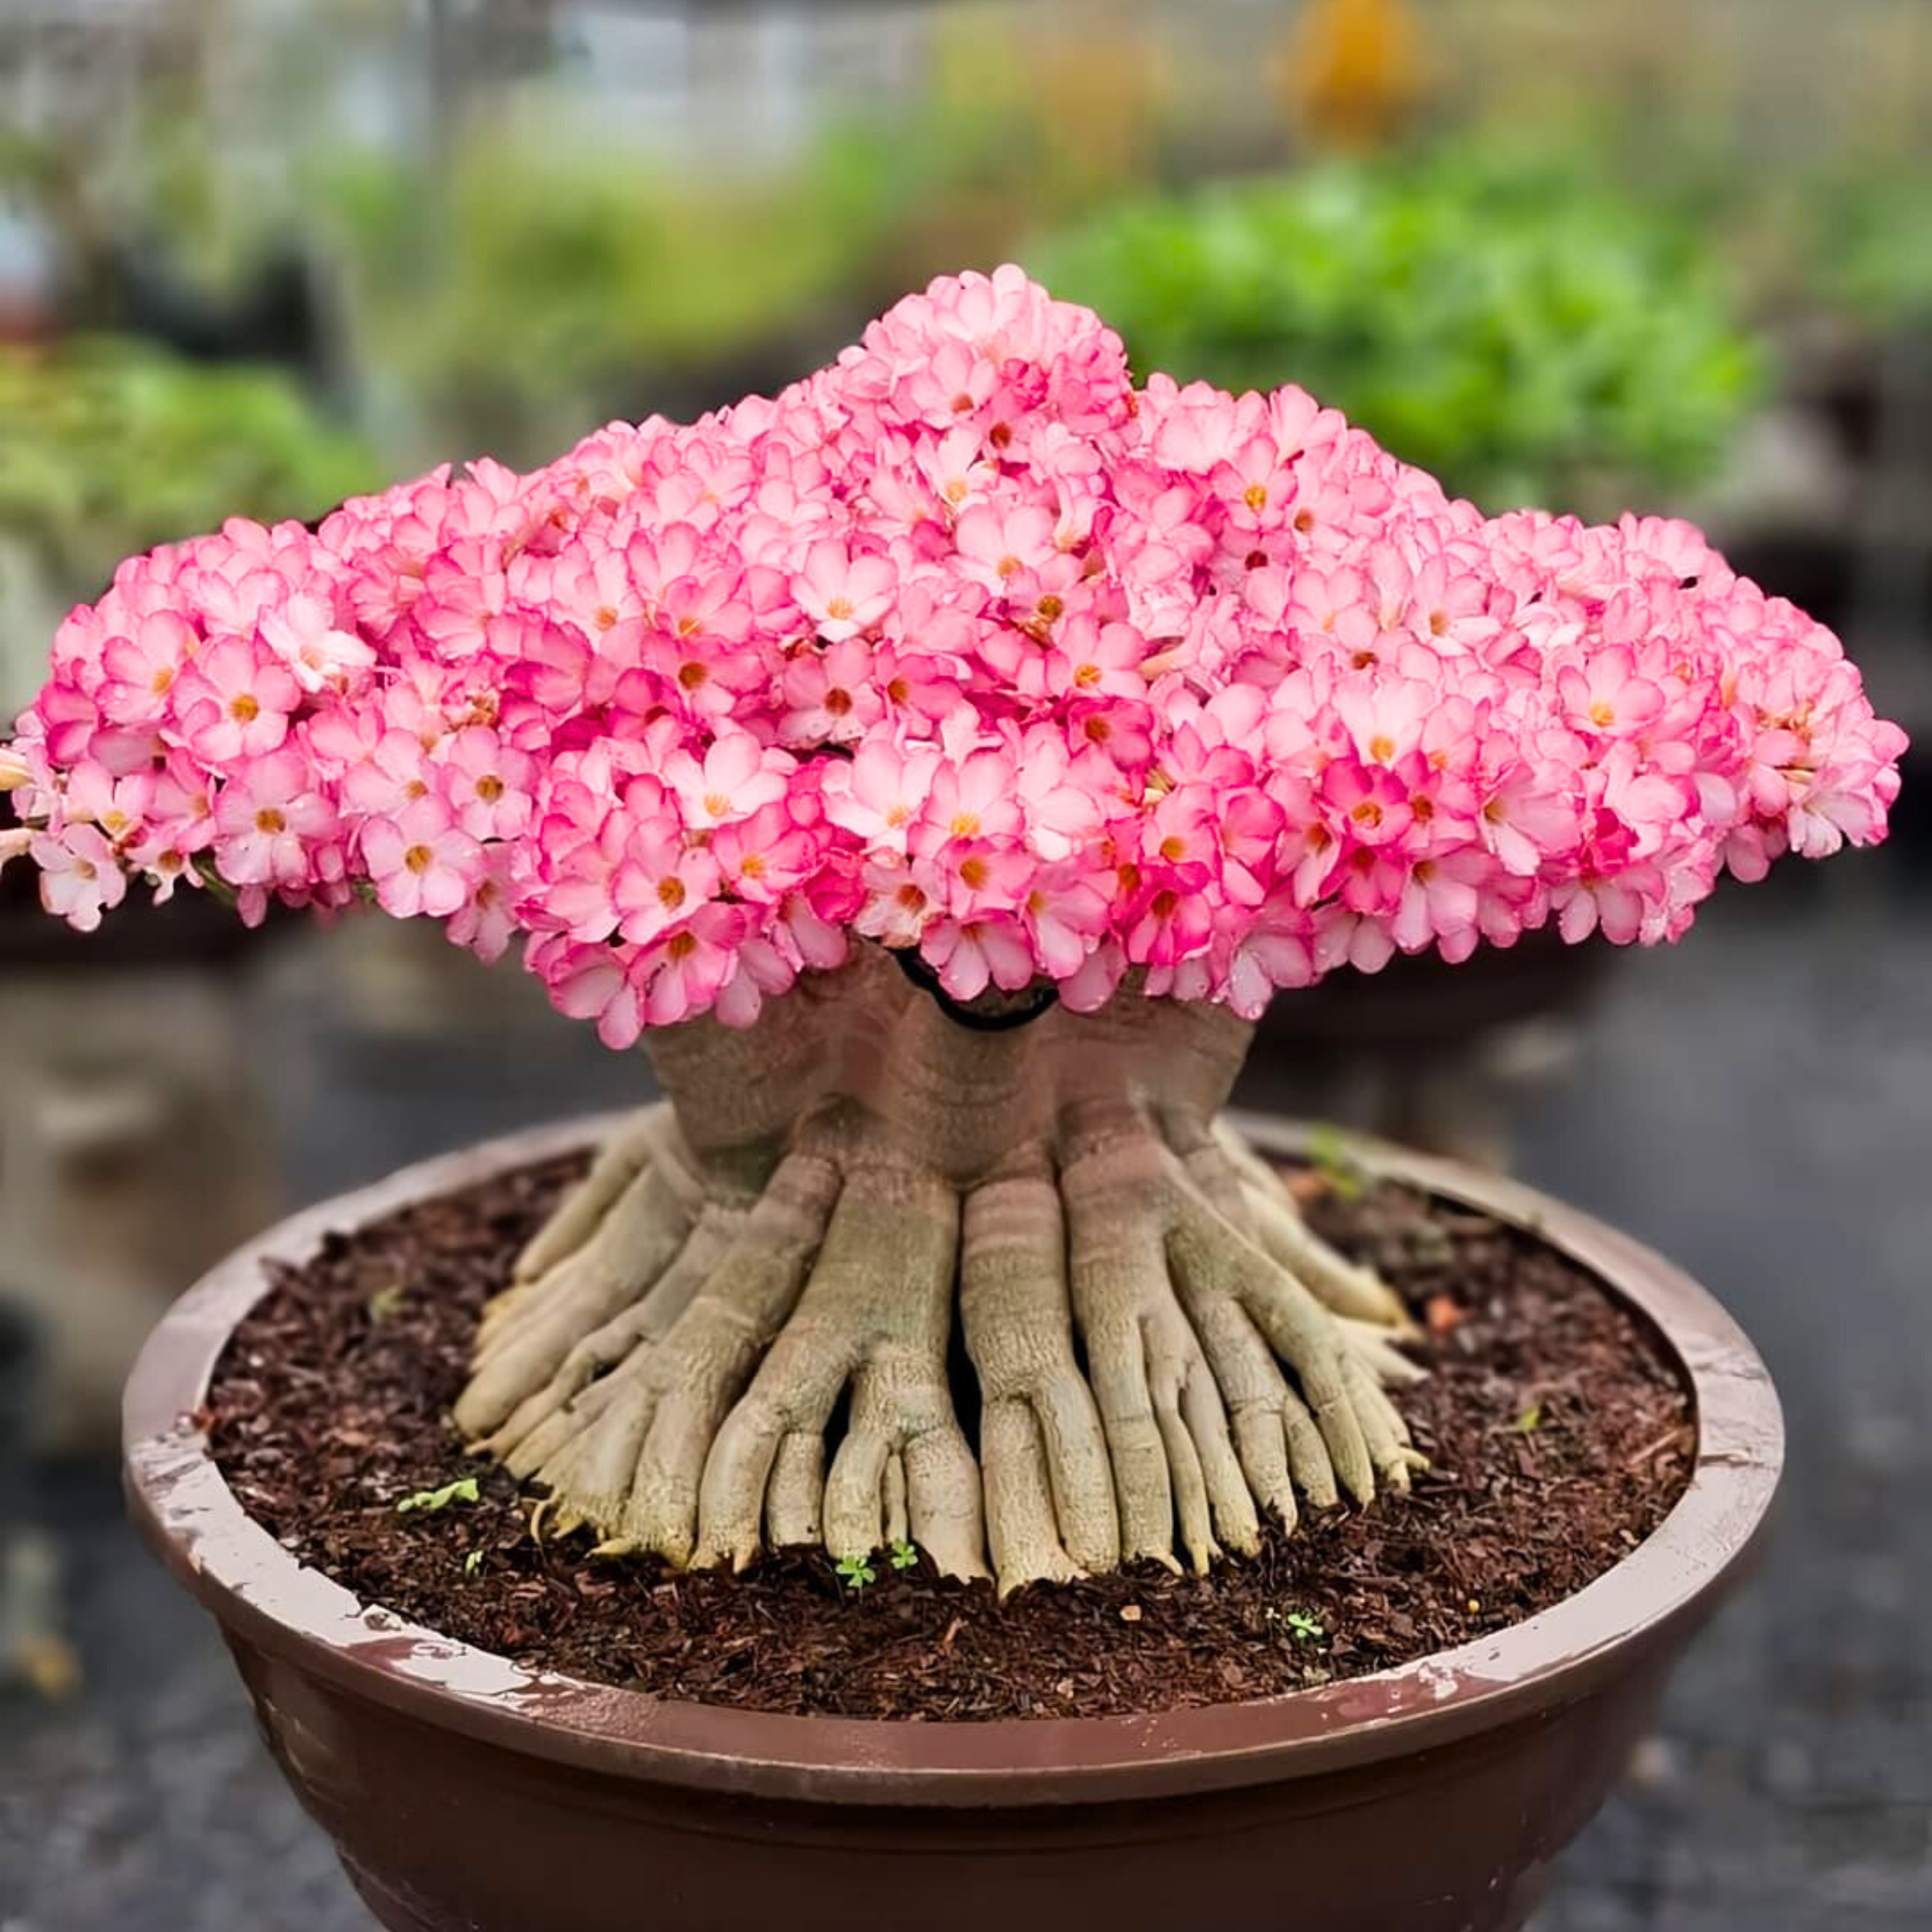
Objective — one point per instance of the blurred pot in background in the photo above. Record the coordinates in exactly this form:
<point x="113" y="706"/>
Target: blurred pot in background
<point x="131" y="1150"/>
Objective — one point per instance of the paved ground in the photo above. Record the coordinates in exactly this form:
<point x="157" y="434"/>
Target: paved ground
<point x="1756" y="1103"/>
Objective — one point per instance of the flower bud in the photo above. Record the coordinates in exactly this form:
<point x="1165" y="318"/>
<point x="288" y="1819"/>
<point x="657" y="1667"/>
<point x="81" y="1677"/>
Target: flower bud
<point x="13" y="771"/>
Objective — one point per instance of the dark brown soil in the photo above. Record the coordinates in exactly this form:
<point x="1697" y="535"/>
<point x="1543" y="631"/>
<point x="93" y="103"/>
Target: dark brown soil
<point x="1559" y="1437"/>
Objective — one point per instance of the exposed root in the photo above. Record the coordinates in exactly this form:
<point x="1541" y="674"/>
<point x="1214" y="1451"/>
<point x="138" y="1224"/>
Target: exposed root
<point x="1051" y="1514"/>
<point x="616" y="1269"/>
<point x="873" y="1322"/>
<point x="627" y="1455"/>
<point x="711" y="1353"/>
<point x="1342" y="1284"/>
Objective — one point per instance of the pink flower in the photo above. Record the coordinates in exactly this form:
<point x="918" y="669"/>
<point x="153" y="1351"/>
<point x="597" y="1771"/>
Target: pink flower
<point x="1441" y="901"/>
<point x="970" y="955"/>
<point x="421" y="861"/>
<point x="662" y="883"/>
<point x="1614" y="905"/>
<point x="842" y="593"/>
<point x="235" y="703"/>
<point x="1605" y="694"/>
<point x="764" y="860"/>
<point x="303" y="633"/>
<point x="1525" y="819"/>
<point x="974" y="877"/>
<point x="736" y="777"/>
<point x="683" y="974"/>
<point x="268" y="820"/>
<point x="1167" y="923"/>
<point x="1064" y="916"/>
<point x="488" y="783"/>
<point x="974" y="799"/>
<point x="69" y="719"/>
<point x="593" y="982"/>
<point x="398" y="770"/>
<point x="882" y="792"/>
<point x="1090" y="659"/>
<point x="80" y="877"/>
<point x="996" y="545"/>
<point x="141" y="669"/>
<point x="487" y="923"/>
<point x="1366" y="804"/>
<point x="832" y="694"/>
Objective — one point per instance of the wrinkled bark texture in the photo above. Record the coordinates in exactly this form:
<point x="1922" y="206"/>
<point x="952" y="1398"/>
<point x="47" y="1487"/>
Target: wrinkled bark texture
<point x="734" y="1335"/>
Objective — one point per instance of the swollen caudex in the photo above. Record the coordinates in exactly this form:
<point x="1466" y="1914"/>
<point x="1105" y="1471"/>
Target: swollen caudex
<point x="1152" y="1380"/>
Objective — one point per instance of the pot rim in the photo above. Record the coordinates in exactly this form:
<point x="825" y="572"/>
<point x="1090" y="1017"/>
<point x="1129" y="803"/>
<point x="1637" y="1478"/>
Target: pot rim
<point x="259" y="1592"/>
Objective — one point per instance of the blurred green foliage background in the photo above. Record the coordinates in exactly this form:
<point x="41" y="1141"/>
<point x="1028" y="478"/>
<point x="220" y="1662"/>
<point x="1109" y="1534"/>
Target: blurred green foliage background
<point x="1525" y="330"/>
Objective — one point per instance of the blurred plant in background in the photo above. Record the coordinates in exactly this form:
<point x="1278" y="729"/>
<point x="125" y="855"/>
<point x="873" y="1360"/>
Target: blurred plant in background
<point x="1500" y="317"/>
<point x="112" y="445"/>
<point x="544" y="289"/>
<point x="1868" y="241"/>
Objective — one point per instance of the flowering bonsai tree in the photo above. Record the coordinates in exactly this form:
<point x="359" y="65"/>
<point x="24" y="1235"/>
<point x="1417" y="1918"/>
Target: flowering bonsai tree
<point x="941" y="765"/>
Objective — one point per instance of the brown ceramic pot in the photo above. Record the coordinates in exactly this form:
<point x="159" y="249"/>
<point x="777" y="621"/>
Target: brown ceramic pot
<point x="465" y="1793"/>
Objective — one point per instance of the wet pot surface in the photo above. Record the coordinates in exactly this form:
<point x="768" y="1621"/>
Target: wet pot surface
<point x="463" y="1792"/>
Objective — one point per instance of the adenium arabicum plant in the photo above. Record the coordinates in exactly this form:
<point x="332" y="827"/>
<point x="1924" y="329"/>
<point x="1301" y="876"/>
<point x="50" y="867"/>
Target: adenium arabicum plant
<point x="1138" y="703"/>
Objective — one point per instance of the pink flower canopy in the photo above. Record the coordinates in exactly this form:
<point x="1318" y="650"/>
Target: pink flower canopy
<point x="964" y="644"/>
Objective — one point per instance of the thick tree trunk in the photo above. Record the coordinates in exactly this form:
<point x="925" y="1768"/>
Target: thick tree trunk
<point x="1164" y="1352"/>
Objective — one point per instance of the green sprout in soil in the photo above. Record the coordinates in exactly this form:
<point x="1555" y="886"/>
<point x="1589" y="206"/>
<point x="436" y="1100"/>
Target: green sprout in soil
<point x="1328" y="1150"/>
<point x="857" y="1571"/>
<point x="1301" y="1626"/>
<point x="1530" y="1420"/>
<point x="462" y="1490"/>
<point x="904" y="1556"/>
<point x="472" y="1563"/>
<point x="387" y="1303"/>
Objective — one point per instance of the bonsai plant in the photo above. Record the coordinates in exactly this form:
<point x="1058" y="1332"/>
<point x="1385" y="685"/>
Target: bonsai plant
<point x="939" y="767"/>
<point x="942" y="765"/>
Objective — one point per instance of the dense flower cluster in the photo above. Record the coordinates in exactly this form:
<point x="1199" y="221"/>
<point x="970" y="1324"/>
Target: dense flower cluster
<point x="964" y="644"/>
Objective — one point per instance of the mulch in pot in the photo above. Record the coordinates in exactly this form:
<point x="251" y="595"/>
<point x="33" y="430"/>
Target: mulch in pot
<point x="1559" y="1432"/>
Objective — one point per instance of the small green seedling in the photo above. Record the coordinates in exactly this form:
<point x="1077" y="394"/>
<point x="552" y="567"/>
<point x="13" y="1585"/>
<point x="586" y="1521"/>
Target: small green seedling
<point x="904" y="1556"/>
<point x="857" y="1572"/>
<point x="1303" y="1628"/>
<point x="1328" y="1150"/>
<point x="1530" y="1420"/>
<point x="387" y="1303"/>
<point x="462" y="1490"/>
